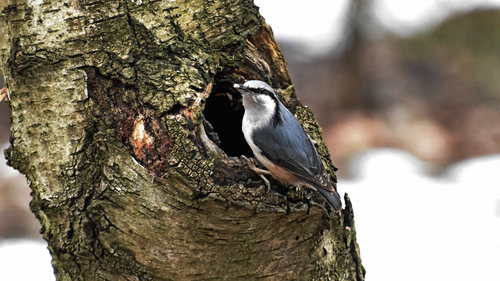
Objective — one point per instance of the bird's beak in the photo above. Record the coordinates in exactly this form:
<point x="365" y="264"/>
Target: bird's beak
<point x="241" y="89"/>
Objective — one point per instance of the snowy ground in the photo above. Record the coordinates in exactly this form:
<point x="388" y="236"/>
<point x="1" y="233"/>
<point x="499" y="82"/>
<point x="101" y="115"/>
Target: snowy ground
<point x="410" y="227"/>
<point x="25" y="260"/>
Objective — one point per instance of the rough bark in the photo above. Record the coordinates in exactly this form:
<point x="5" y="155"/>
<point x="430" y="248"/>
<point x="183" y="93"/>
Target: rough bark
<point x="126" y="126"/>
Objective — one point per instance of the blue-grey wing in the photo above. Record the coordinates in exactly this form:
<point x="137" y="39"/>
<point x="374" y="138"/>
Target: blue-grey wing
<point x="287" y="145"/>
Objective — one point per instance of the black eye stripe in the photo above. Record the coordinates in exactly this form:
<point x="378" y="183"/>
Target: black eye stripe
<point x="263" y="91"/>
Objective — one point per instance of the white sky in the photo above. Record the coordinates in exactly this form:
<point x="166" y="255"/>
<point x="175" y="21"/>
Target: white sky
<point x="403" y="16"/>
<point x="318" y="23"/>
<point x="314" y="22"/>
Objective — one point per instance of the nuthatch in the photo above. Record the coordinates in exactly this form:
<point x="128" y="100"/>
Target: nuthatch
<point x="280" y="143"/>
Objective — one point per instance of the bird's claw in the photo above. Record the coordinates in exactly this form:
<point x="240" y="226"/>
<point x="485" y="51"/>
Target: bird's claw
<point x="258" y="171"/>
<point x="253" y="167"/>
<point x="248" y="161"/>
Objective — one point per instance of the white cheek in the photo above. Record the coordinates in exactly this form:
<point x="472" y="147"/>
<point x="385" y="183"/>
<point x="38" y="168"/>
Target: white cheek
<point x="255" y="99"/>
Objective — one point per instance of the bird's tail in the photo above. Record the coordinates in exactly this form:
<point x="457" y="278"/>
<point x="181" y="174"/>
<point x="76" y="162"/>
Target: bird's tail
<point x="332" y="197"/>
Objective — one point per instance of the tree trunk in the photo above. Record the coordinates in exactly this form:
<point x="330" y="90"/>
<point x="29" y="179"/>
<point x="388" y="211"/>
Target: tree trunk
<point x="125" y="122"/>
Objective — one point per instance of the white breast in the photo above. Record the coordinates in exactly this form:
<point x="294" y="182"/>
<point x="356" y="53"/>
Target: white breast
<point x="259" y="111"/>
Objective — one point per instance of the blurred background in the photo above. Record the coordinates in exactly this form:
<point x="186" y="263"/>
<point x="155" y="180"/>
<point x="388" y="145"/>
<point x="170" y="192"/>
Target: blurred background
<point x="408" y="96"/>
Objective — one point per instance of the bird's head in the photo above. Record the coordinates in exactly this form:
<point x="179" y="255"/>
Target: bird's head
<point x="257" y="93"/>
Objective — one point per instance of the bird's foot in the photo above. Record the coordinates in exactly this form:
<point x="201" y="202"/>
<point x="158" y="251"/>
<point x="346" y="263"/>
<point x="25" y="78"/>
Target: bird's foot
<point x="4" y="93"/>
<point x="258" y="171"/>
<point x="253" y="167"/>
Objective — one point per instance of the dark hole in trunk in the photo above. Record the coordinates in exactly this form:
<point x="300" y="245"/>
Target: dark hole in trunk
<point x="224" y="111"/>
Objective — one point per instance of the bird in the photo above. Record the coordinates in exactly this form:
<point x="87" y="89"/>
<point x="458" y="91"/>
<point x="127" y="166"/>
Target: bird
<point x="280" y="143"/>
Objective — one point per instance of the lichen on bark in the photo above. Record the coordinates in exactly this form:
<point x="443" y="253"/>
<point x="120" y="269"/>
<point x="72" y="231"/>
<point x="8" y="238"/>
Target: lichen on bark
<point x="108" y="125"/>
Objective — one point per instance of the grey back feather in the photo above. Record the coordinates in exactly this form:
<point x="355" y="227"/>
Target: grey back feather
<point x="287" y="145"/>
